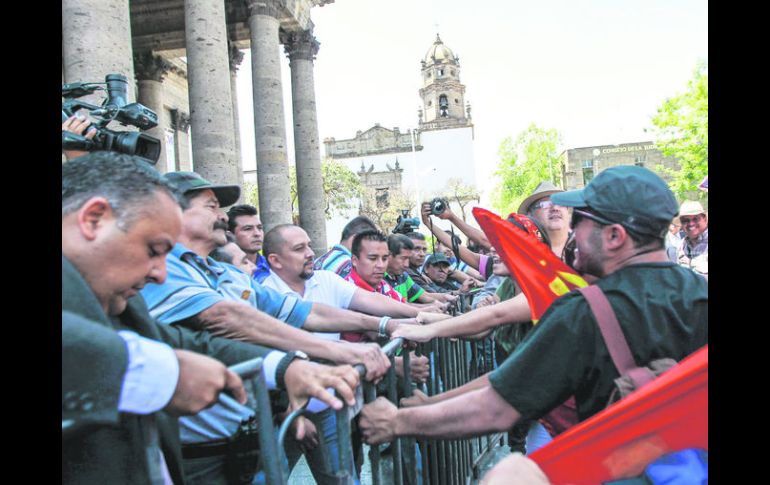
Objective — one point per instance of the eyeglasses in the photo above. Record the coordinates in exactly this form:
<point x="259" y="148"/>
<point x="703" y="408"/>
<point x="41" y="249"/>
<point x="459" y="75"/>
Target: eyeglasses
<point x="577" y="214"/>
<point x="542" y="204"/>
<point x="687" y="220"/>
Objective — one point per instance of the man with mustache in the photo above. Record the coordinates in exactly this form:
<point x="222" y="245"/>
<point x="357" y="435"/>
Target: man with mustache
<point x="693" y="250"/>
<point x="290" y="256"/>
<point x="125" y="378"/>
<point x="620" y="220"/>
<point x="552" y="217"/>
<point x="203" y="294"/>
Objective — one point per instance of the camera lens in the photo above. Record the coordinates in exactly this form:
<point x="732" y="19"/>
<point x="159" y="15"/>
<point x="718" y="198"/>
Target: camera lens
<point x="437" y="207"/>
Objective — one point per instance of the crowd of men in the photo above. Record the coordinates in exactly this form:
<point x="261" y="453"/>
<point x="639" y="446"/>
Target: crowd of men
<point x="162" y="290"/>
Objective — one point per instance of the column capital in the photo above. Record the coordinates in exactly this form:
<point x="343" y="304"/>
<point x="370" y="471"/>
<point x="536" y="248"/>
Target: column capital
<point x="300" y="45"/>
<point x="149" y="67"/>
<point x="235" y="56"/>
<point x="180" y="120"/>
<point x="271" y="8"/>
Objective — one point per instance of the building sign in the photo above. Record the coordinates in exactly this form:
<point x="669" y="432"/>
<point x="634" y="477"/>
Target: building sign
<point x="631" y="148"/>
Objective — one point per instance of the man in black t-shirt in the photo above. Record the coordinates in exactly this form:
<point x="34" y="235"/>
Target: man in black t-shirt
<point x="619" y="220"/>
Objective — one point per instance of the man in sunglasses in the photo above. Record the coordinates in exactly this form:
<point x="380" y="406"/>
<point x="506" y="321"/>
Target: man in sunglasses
<point x="693" y="251"/>
<point x="619" y="220"/>
<point x="552" y="217"/>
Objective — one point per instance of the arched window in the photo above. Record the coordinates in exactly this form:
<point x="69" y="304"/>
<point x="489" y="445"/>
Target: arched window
<point x="443" y="106"/>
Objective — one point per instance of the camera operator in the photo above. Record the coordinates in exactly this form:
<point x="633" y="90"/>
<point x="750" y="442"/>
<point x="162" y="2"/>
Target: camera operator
<point x="464" y="254"/>
<point x="78" y="124"/>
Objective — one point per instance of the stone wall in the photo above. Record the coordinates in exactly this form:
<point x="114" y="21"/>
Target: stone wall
<point x="581" y="163"/>
<point x="375" y="140"/>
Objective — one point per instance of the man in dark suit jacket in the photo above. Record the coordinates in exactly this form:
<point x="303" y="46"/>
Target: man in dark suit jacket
<point x="119" y="220"/>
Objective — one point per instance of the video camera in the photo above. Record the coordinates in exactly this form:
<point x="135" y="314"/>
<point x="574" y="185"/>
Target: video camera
<point x="406" y="224"/>
<point x="116" y="108"/>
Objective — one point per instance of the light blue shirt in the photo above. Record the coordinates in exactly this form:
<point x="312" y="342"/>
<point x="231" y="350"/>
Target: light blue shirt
<point x="195" y="284"/>
<point x="151" y="377"/>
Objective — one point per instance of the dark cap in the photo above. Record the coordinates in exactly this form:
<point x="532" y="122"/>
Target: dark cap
<point x="634" y="197"/>
<point x="437" y="258"/>
<point x="190" y="181"/>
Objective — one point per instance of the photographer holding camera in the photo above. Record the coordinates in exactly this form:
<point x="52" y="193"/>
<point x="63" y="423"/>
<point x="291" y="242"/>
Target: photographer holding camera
<point x="440" y="208"/>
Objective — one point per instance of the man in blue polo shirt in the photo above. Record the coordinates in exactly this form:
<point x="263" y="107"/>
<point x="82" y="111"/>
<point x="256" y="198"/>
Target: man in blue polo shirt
<point x="204" y="294"/>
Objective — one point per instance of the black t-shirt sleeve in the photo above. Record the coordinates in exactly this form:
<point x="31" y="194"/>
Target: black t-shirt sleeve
<point x="549" y="365"/>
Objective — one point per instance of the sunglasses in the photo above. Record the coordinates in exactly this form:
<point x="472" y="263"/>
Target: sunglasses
<point x="687" y="220"/>
<point x="578" y="214"/>
<point x="542" y="204"/>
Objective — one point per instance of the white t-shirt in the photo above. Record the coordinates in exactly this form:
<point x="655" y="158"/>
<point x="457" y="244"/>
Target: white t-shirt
<point x="323" y="287"/>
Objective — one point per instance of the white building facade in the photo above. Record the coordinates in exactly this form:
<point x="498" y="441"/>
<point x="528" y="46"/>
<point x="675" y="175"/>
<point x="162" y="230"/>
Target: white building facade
<point x="420" y="161"/>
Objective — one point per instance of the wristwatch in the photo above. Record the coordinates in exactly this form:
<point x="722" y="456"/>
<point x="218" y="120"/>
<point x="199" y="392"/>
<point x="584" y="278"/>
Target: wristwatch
<point x="283" y="364"/>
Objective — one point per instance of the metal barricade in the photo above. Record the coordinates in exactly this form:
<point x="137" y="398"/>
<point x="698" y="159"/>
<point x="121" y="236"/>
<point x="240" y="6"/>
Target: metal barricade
<point x="453" y="363"/>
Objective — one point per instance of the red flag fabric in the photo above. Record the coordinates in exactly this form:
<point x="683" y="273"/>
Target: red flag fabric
<point x="542" y="276"/>
<point x="668" y="414"/>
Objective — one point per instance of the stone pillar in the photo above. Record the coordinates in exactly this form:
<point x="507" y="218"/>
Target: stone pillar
<point x="96" y="41"/>
<point x="236" y="57"/>
<point x="211" y="104"/>
<point x="269" y="126"/>
<point x="180" y="123"/>
<point x="301" y="48"/>
<point x="150" y="70"/>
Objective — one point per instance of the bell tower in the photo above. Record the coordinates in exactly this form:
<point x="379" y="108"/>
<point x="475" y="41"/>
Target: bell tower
<point x="443" y="95"/>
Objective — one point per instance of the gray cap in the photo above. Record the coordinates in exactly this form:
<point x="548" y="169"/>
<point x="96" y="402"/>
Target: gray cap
<point x="634" y="197"/>
<point x="437" y="258"/>
<point x="189" y="181"/>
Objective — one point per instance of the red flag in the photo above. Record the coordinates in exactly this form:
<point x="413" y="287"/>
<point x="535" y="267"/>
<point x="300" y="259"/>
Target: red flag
<point x="542" y="276"/>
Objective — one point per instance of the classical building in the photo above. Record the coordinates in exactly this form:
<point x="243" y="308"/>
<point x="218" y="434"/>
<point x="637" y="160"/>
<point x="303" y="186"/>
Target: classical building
<point x="421" y="160"/>
<point x="580" y="165"/>
<point x="180" y="58"/>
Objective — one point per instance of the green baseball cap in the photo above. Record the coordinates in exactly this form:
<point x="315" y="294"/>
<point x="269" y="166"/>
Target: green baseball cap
<point x="190" y="181"/>
<point x="634" y="197"/>
<point x="437" y="258"/>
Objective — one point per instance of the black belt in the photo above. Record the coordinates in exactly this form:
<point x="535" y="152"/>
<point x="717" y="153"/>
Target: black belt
<point x="205" y="450"/>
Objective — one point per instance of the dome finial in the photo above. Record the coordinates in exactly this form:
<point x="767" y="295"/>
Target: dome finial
<point x="438" y="39"/>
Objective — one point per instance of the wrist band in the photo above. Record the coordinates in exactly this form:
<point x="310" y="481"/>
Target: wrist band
<point x="383" y="323"/>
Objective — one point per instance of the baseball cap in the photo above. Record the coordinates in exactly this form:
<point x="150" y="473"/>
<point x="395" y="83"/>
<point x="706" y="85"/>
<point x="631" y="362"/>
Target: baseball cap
<point x="189" y="181"/>
<point x="634" y="197"/>
<point x="437" y="258"/>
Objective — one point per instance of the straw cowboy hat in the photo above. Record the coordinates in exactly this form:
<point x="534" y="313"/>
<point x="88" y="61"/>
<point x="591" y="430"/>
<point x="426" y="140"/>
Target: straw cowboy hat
<point x="690" y="208"/>
<point x="544" y="189"/>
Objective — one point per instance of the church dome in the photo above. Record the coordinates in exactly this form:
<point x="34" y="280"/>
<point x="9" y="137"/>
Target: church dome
<point x="439" y="53"/>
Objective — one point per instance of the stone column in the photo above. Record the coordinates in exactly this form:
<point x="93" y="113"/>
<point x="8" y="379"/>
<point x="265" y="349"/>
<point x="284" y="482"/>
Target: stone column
<point x="301" y="48"/>
<point x="211" y="104"/>
<point x="96" y="41"/>
<point x="269" y="126"/>
<point x="180" y="123"/>
<point x="235" y="58"/>
<point x="150" y="70"/>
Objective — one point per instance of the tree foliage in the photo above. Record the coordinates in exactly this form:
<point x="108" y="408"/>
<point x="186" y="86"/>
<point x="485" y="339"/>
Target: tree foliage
<point x="460" y="193"/>
<point x="342" y="189"/>
<point x="681" y="131"/>
<point x="523" y="164"/>
<point x="384" y="207"/>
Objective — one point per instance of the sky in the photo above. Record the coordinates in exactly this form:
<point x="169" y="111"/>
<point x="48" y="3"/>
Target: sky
<point x="596" y="71"/>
